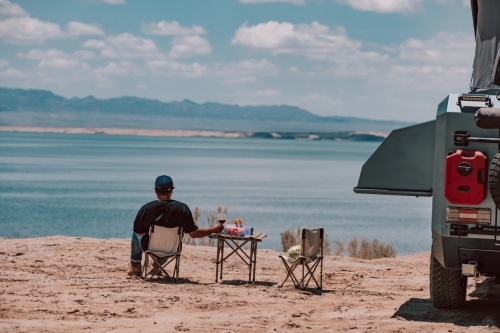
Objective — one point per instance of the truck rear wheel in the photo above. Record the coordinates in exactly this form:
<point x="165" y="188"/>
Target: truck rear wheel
<point x="447" y="286"/>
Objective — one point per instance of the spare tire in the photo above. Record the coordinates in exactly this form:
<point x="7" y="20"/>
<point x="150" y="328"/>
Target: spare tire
<point x="494" y="179"/>
<point x="487" y="118"/>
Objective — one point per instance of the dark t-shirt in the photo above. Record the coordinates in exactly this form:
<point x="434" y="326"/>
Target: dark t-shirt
<point x="168" y="214"/>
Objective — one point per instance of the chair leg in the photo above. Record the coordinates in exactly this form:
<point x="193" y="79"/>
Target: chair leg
<point x="290" y="273"/>
<point x="311" y="270"/>
<point x="321" y="274"/>
<point x="303" y="276"/>
<point x="177" y="267"/>
<point x="145" y="267"/>
<point x="160" y="265"/>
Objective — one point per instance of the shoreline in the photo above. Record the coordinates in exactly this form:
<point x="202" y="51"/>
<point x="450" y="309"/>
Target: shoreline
<point x="120" y="131"/>
<point x="337" y="136"/>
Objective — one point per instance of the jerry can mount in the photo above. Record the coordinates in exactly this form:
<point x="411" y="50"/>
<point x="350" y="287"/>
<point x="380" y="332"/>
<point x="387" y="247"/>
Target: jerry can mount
<point x="462" y="139"/>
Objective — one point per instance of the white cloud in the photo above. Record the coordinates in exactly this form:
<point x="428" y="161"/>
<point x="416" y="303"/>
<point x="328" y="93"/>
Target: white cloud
<point x="443" y="53"/>
<point x="187" y="41"/>
<point x="187" y="46"/>
<point x="246" y="71"/>
<point x="25" y="30"/>
<point x="429" y="67"/>
<point x="444" y="48"/>
<point x="12" y="73"/>
<point x="55" y="60"/>
<point x="172" y="68"/>
<point x="295" y="2"/>
<point x="443" y="60"/>
<point x="319" y="98"/>
<point x="314" y="41"/>
<point x="8" y="9"/>
<point x="268" y="93"/>
<point x="43" y="54"/>
<point x="124" y="68"/>
<point x="85" y="55"/>
<point x="384" y="6"/>
<point x="62" y="64"/>
<point x="271" y="35"/>
<point x="3" y="63"/>
<point x="263" y="66"/>
<point x="20" y="28"/>
<point x="59" y="68"/>
<point x="94" y="44"/>
<point x="81" y="29"/>
<point x="124" y="46"/>
<point x="171" y="29"/>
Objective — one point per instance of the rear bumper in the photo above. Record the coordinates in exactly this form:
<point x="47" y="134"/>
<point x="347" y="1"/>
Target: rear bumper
<point x="488" y="261"/>
<point x="452" y="252"/>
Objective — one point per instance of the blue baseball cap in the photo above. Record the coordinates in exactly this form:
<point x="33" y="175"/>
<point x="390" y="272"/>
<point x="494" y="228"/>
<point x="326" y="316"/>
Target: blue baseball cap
<point x="164" y="183"/>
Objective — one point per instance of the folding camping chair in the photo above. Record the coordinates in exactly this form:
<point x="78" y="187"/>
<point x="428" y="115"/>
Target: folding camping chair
<point x="164" y="247"/>
<point x="311" y="257"/>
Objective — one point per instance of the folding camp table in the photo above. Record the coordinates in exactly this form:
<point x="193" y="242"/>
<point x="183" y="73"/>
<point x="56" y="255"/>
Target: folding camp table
<point x="236" y="244"/>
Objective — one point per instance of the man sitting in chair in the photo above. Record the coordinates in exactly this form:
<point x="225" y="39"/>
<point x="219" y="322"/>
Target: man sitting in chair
<point x="167" y="213"/>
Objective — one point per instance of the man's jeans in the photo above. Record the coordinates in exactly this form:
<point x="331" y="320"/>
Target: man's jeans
<point x="136" y="252"/>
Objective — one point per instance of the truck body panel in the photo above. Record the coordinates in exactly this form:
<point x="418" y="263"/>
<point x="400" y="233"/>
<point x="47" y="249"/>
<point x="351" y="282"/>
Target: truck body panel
<point x="456" y="160"/>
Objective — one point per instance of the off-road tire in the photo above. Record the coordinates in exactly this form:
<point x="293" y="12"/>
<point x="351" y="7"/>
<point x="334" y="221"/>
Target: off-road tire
<point x="494" y="179"/>
<point x="447" y="286"/>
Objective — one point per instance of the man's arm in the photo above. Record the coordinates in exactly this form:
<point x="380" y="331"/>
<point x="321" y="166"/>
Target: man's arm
<point x="200" y="233"/>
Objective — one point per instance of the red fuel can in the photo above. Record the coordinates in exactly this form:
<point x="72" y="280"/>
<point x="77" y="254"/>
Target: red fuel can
<point x="465" y="181"/>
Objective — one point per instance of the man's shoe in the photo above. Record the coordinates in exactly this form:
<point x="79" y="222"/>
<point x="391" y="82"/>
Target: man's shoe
<point x="134" y="269"/>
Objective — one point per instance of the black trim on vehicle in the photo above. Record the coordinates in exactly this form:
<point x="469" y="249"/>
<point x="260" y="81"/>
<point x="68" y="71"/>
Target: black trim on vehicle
<point x="464" y="230"/>
<point x="415" y="193"/>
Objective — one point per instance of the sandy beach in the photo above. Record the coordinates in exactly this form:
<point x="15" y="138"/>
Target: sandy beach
<point x="68" y="284"/>
<point x="121" y="131"/>
<point x="359" y="135"/>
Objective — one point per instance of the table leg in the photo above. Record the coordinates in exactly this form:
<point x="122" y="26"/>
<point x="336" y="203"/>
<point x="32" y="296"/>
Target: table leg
<point x="222" y="241"/>
<point x="250" y="263"/>
<point x="254" y="258"/>
<point x="217" y="261"/>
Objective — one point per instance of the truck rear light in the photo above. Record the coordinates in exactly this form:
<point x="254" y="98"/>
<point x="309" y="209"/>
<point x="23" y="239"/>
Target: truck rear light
<point x="468" y="215"/>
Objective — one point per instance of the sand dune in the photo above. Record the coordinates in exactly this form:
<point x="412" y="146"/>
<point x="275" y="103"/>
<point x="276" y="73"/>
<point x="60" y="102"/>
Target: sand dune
<point x="66" y="284"/>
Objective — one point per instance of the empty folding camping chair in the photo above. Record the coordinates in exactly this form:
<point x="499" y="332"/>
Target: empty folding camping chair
<point x="310" y="258"/>
<point x="164" y="247"/>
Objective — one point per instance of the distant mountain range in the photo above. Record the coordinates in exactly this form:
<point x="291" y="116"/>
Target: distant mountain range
<point x="41" y="108"/>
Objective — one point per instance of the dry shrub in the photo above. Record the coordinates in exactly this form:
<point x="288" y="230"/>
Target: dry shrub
<point x="326" y="246"/>
<point x="370" y="250"/>
<point x="352" y="248"/>
<point x="339" y="249"/>
<point x="212" y="216"/>
<point x="290" y="238"/>
<point x="357" y="249"/>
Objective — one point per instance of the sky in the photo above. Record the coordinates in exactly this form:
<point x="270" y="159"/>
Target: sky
<point x="376" y="59"/>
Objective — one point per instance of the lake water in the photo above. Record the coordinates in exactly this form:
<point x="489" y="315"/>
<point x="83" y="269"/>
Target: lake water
<point x="93" y="185"/>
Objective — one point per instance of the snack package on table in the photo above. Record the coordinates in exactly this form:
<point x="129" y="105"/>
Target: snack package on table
<point x="237" y="229"/>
